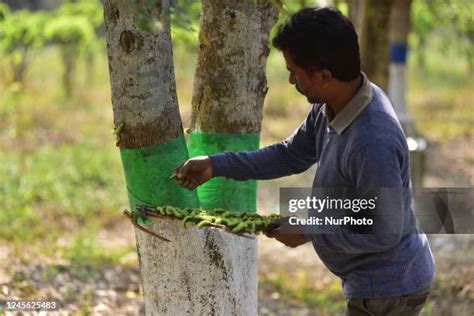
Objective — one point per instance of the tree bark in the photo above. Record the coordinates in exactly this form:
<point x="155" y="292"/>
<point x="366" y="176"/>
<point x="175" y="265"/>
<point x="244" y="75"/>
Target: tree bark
<point x="398" y="36"/>
<point x="371" y="20"/>
<point x="229" y="90"/>
<point x="141" y="73"/>
<point x="201" y="271"/>
<point x="230" y="83"/>
<point x="180" y="276"/>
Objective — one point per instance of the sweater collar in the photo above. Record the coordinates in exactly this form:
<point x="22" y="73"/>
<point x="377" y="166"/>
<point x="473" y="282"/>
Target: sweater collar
<point x="348" y="114"/>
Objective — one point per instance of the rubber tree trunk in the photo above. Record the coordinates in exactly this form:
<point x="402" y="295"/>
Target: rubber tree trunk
<point x="371" y="20"/>
<point x="229" y="90"/>
<point x="190" y="274"/>
<point x="230" y="82"/>
<point x="398" y="36"/>
<point x="357" y="14"/>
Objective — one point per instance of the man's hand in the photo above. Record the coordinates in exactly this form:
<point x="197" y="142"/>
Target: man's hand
<point x="194" y="172"/>
<point x="286" y="234"/>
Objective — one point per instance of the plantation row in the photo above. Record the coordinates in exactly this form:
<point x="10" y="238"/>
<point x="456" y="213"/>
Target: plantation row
<point x="73" y="27"/>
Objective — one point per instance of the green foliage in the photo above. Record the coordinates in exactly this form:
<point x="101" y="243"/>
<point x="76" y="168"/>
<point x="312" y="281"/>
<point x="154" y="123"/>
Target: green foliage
<point x="20" y="33"/>
<point x="76" y="22"/>
<point x="69" y="30"/>
<point x="73" y="34"/>
<point x="4" y="11"/>
<point x="21" y="29"/>
<point x="72" y="26"/>
<point x="147" y="22"/>
<point x="452" y="21"/>
<point x="185" y="21"/>
<point x="422" y="17"/>
<point x="92" y="10"/>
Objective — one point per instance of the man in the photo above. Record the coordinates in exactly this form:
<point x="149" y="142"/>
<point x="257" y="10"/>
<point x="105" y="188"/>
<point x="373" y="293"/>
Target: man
<point x="354" y="137"/>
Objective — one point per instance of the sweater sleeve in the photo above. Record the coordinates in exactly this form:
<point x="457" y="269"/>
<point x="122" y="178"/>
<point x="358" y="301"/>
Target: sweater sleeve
<point x="294" y="155"/>
<point x="375" y="170"/>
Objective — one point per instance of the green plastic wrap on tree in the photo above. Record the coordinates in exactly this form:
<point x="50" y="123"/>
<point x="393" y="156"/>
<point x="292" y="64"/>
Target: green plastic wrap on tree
<point x="220" y="192"/>
<point x="147" y="175"/>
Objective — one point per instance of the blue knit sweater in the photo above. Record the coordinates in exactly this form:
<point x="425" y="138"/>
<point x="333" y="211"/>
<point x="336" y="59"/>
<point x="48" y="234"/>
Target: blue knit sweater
<point x="362" y="147"/>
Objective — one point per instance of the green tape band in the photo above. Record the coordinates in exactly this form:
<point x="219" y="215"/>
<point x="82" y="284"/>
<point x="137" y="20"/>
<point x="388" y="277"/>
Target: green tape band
<point x="219" y="192"/>
<point x="147" y="175"/>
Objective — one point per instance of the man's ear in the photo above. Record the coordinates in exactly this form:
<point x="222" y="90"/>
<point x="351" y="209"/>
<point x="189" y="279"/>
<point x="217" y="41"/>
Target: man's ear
<point x="326" y="77"/>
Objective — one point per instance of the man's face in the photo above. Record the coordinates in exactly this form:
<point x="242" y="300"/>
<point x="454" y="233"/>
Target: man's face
<point x="306" y="82"/>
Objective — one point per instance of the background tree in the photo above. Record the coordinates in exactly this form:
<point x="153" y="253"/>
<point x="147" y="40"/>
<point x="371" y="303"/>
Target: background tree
<point x="20" y="35"/>
<point x="73" y="35"/>
<point x="371" y="18"/>
<point x="452" y="20"/>
<point x="423" y="21"/>
<point x="89" y="9"/>
<point x="399" y="28"/>
<point x="92" y="11"/>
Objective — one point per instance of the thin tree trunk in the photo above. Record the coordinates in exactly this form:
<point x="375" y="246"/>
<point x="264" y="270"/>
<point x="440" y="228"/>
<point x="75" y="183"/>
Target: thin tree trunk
<point x="69" y="56"/>
<point x="357" y="13"/>
<point x="19" y="68"/>
<point x="398" y="36"/>
<point x="371" y="20"/>
<point x="229" y="90"/>
<point x="470" y="51"/>
<point x="90" y="63"/>
<point x="179" y="276"/>
<point x="141" y="73"/>
<point x="230" y="83"/>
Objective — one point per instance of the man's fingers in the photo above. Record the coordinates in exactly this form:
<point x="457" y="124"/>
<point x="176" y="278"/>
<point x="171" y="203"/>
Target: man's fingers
<point x="190" y="185"/>
<point x="182" y="182"/>
<point x="182" y="170"/>
<point x="188" y="167"/>
<point x="176" y="170"/>
<point x="191" y="174"/>
<point x="193" y="180"/>
<point x="187" y="183"/>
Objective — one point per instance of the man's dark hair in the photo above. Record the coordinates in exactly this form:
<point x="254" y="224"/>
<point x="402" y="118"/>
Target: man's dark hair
<point x="321" y="38"/>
